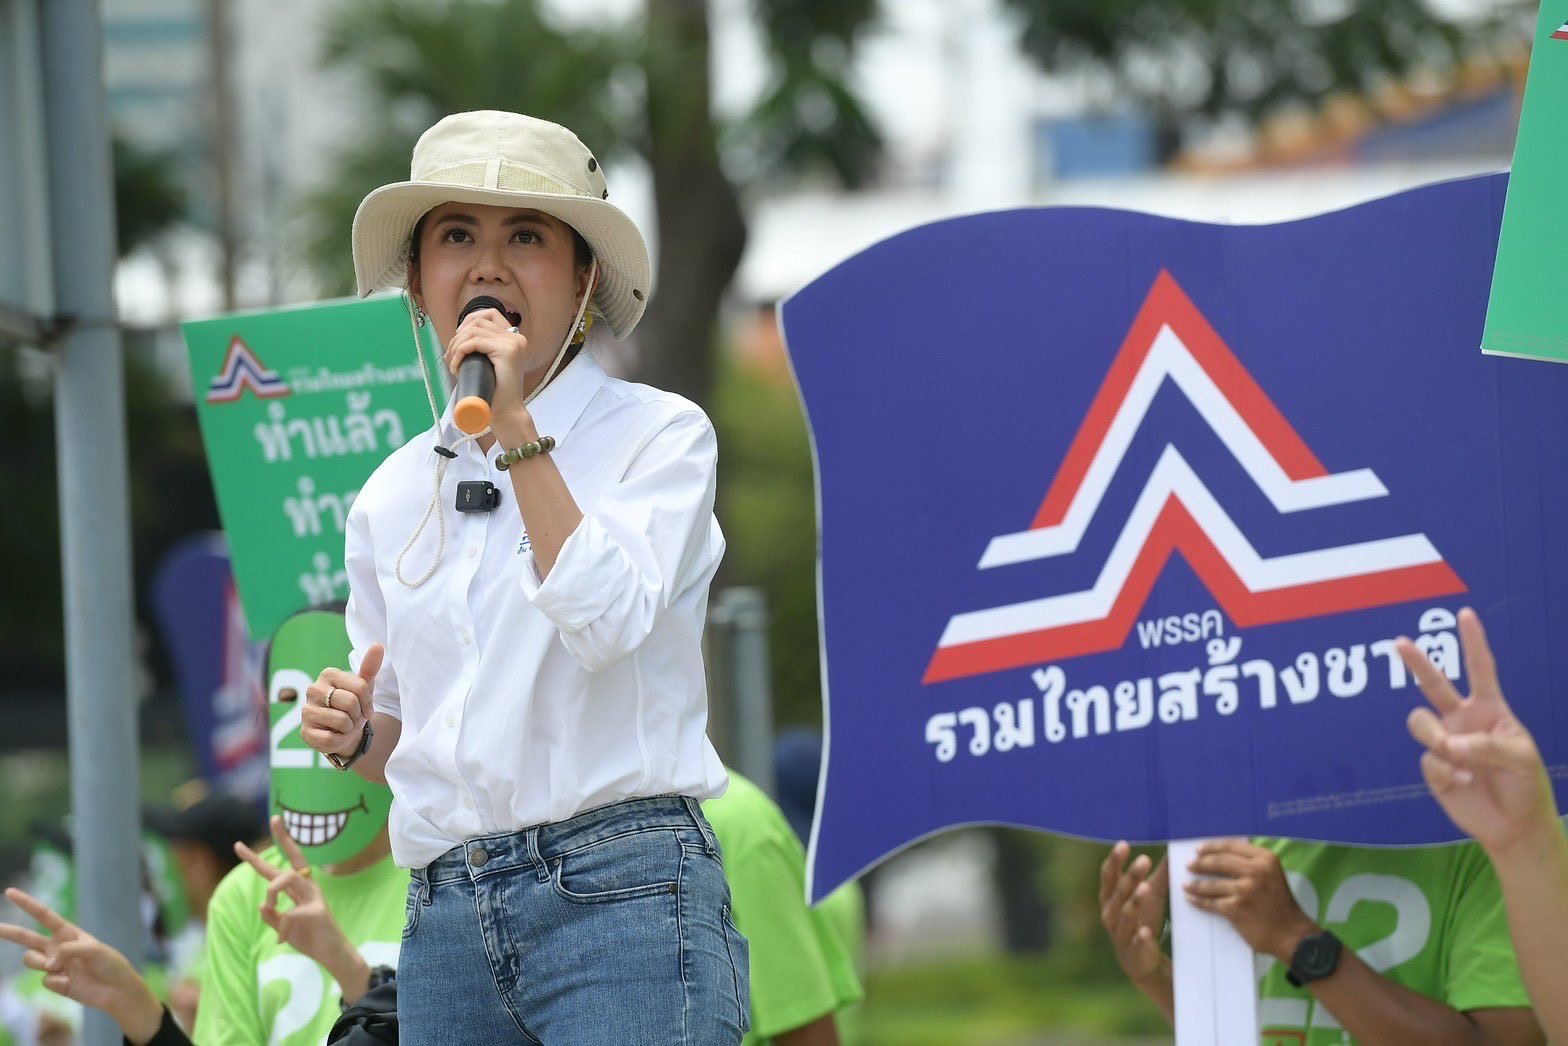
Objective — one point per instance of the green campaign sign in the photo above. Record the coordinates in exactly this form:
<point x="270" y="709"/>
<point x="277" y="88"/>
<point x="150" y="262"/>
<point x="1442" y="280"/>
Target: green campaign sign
<point x="297" y="407"/>
<point x="1527" y="315"/>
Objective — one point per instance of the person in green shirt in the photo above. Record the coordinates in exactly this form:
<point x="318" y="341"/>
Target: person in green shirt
<point x="1425" y="954"/>
<point x="264" y="922"/>
<point x="797" y="771"/>
<point x="302" y="927"/>
<point x="200" y="837"/>
<point x="802" y="970"/>
<point x="80" y="968"/>
<point x="277" y="971"/>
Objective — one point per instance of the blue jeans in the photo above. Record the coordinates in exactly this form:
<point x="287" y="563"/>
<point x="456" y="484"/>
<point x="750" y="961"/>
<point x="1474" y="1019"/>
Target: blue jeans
<point x="613" y="926"/>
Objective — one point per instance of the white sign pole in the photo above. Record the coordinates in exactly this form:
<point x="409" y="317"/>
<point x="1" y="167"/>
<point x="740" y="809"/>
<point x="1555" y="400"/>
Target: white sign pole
<point x="1216" y="986"/>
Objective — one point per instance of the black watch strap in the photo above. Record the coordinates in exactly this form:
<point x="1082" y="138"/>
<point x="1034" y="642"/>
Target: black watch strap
<point x="1315" y="957"/>
<point x="364" y="746"/>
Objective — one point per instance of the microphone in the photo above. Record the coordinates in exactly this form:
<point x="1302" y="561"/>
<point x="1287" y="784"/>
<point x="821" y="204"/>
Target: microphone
<point x="476" y="375"/>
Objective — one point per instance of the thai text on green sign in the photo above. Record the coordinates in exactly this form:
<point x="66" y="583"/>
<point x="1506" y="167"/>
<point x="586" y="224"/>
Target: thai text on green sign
<point x="297" y="407"/>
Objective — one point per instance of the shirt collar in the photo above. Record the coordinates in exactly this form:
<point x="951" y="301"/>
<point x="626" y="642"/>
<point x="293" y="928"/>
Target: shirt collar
<point x="557" y="408"/>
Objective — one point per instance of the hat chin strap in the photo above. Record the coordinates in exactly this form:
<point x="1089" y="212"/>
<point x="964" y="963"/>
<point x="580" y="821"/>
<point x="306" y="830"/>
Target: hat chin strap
<point x="444" y="455"/>
<point x="582" y="309"/>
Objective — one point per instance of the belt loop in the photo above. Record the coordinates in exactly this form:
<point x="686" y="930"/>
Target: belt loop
<point x="701" y="822"/>
<point x="531" y="840"/>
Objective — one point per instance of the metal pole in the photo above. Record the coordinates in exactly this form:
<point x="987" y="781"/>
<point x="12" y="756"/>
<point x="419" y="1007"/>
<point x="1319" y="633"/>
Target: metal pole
<point x="25" y="280"/>
<point x="751" y="685"/>
<point x="94" y="504"/>
<point x="717" y="649"/>
<point x="220" y="122"/>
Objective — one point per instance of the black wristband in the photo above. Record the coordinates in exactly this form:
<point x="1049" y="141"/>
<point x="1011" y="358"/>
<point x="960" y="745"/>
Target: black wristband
<point x="364" y="746"/>
<point x="168" y="1033"/>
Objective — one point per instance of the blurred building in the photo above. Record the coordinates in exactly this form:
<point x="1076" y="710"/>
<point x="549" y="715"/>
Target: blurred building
<point x="156" y="79"/>
<point x="974" y="126"/>
<point x="233" y="94"/>
<point x="970" y="124"/>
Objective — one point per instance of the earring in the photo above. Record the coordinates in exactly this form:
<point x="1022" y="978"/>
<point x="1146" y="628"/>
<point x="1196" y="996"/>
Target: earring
<point x="583" y="326"/>
<point x="420" y="319"/>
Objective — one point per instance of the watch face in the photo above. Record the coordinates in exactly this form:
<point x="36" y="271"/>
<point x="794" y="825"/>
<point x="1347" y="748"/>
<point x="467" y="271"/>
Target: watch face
<point x="1317" y="955"/>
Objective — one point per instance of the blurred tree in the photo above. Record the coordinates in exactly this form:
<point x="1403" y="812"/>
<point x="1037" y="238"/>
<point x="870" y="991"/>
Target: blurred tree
<point x="636" y="86"/>
<point x="1181" y="59"/>
<point x="31" y="616"/>
<point x="169" y="489"/>
<point x="420" y="61"/>
<point x="767" y="506"/>
<point x="148" y="199"/>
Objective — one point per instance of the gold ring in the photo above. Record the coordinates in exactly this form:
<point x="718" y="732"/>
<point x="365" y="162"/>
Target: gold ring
<point x="304" y="872"/>
<point x="328" y="699"/>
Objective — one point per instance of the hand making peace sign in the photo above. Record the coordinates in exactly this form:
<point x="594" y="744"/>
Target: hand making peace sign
<point x="307" y="926"/>
<point x="1481" y="763"/>
<point x="79" y="966"/>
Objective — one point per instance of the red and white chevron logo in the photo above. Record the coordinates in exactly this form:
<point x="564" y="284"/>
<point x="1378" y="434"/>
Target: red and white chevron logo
<point x="1562" y="32"/>
<point x="1171" y="340"/>
<point x="242" y="369"/>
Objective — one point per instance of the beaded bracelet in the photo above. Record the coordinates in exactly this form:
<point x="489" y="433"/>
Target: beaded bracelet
<point x="542" y="445"/>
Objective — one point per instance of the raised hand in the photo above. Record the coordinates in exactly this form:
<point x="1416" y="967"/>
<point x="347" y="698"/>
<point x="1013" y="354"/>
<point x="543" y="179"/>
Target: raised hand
<point x="308" y="925"/>
<point x="1132" y="910"/>
<point x="1481" y="763"/>
<point x="338" y="704"/>
<point x="77" y="965"/>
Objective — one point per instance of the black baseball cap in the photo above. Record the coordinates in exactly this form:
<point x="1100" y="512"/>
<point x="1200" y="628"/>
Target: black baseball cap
<point x="215" y="821"/>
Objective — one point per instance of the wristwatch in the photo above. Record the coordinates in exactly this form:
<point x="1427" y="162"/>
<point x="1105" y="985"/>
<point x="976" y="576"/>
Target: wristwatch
<point x="364" y="746"/>
<point x="1315" y="957"/>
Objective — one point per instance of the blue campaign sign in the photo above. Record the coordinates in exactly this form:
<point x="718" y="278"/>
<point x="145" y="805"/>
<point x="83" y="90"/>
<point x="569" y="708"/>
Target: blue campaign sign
<point x="216" y="666"/>
<point x="1122" y="514"/>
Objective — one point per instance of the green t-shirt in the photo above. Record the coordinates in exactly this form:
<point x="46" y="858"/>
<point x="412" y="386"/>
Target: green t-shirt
<point x="801" y="966"/>
<point x="1431" y="919"/>
<point x="255" y="990"/>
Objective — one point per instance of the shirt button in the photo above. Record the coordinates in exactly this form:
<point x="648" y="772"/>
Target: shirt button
<point x="451" y="719"/>
<point x="463" y="635"/>
<point x="472" y="552"/>
<point x="477" y="857"/>
<point x="468" y="804"/>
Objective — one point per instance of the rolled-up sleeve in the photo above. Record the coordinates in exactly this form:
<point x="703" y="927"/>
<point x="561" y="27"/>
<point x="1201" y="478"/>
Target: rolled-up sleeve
<point x="640" y="548"/>
<point x="366" y="613"/>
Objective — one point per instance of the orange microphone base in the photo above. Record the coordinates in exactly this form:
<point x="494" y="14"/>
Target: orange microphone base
<point x="471" y="414"/>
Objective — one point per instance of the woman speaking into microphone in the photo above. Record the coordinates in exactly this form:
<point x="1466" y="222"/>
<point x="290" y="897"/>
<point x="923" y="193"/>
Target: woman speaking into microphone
<point x="527" y="611"/>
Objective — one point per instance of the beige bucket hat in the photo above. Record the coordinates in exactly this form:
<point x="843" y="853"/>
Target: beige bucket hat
<point x="508" y="160"/>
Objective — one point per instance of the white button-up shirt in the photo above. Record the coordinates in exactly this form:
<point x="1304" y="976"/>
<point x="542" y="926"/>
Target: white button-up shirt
<point x="525" y="702"/>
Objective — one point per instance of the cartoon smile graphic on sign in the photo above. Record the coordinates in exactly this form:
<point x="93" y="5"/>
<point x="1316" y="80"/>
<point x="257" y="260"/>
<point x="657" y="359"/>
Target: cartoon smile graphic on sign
<point x="1171" y="341"/>
<point x="331" y="814"/>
